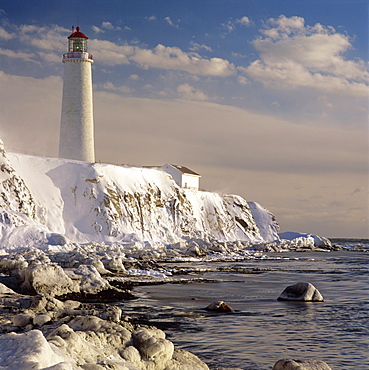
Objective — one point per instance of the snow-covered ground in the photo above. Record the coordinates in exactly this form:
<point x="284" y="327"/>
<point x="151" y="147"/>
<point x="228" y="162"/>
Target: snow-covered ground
<point x="90" y="202"/>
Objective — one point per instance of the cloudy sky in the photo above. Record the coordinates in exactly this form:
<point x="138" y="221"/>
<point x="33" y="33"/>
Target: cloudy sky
<point x="266" y="99"/>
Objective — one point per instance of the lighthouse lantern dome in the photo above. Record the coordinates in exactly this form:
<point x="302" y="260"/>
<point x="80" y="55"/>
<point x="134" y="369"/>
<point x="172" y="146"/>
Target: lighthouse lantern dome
<point x="77" y="41"/>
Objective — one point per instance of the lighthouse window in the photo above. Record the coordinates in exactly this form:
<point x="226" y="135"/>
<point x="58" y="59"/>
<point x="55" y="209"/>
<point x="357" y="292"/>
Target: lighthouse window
<point x="78" y="45"/>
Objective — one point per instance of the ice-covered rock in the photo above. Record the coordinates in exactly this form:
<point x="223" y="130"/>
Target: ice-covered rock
<point x="153" y="346"/>
<point x="28" y="351"/>
<point x="22" y="319"/>
<point x="265" y="221"/>
<point x="305" y="240"/>
<point x="301" y="292"/>
<point x="5" y="290"/>
<point x="91" y="281"/>
<point x="46" y="280"/>
<point x="184" y="360"/>
<point x="289" y="364"/>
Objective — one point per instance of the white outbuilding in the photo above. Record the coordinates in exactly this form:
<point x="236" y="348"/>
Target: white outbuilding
<point x="183" y="176"/>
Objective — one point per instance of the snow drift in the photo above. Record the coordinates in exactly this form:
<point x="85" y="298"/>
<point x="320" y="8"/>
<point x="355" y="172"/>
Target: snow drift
<point x="49" y="201"/>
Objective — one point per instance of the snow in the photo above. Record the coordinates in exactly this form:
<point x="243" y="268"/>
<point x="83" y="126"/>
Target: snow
<point x="77" y="202"/>
<point x="27" y="351"/>
<point x="306" y="239"/>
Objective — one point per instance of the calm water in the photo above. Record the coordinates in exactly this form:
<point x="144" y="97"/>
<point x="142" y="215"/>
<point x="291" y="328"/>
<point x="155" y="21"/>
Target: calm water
<point x="263" y="329"/>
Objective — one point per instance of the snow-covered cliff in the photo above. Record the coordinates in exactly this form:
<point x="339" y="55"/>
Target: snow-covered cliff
<point x="44" y="200"/>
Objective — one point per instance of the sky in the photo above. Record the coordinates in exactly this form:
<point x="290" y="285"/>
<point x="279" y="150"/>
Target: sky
<point x="265" y="99"/>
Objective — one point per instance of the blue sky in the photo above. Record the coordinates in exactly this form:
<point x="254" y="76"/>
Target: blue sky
<point x="267" y="99"/>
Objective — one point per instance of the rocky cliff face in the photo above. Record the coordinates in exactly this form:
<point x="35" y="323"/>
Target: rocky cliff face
<point x="105" y="203"/>
<point x="16" y="202"/>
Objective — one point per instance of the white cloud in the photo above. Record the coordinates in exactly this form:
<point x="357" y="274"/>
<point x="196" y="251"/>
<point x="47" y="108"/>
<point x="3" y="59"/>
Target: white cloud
<point x="196" y="47"/>
<point x="5" y="35"/>
<point x="97" y="29"/>
<point x="242" y="80"/>
<point x="50" y="57"/>
<point x="186" y="91"/>
<point x="52" y="40"/>
<point x="244" y="21"/>
<point x="231" y="24"/>
<point x="110" y="86"/>
<point x="107" y="25"/>
<point x="170" y="22"/>
<point x="47" y="38"/>
<point x="175" y="59"/>
<point x="107" y="53"/>
<point x="294" y="55"/>
<point x="134" y="77"/>
<point x="152" y="18"/>
<point x="17" y="54"/>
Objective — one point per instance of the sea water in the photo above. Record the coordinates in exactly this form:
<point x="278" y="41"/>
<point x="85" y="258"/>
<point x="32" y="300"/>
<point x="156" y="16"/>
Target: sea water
<point x="263" y="329"/>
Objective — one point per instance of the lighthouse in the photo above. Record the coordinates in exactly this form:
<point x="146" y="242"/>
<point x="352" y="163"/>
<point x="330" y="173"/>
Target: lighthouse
<point x="77" y="124"/>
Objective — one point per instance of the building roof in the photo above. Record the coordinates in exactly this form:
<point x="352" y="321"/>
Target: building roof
<point x="77" y="34"/>
<point x="184" y="170"/>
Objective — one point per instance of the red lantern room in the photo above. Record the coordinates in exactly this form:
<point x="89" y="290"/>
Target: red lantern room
<point x="77" y="41"/>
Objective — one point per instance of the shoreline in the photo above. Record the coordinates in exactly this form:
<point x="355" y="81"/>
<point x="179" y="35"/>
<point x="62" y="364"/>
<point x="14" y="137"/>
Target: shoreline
<point x="72" y="307"/>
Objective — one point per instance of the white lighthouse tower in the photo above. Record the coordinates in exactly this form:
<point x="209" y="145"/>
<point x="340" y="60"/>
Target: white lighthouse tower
<point x="77" y="124"/>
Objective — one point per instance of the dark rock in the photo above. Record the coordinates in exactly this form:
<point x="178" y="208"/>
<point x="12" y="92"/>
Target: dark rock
<point x="290" y="364"/>
<point x="107" y="296"/>
<point x="219" y="307"/>
<point x="301" y="292"/>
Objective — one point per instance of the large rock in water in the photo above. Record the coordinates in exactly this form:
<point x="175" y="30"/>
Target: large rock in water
<point x="289" y="364"/>
<point x="219" y="307"/>
<point x="301" y="292"/>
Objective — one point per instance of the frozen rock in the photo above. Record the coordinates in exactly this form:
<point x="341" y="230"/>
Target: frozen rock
<point x="8" y="265"/>
<point x="194" y="250"/>
<point x="301" y="292"/>
<point x="41" y="319"/>
<point x="116" y="264"/>
<point x="289" y="364"/>
<point x="43" y="304"/>
<point x="29" y="350"/>
<point x="153" y="346"/>
<point x="131" y="354"/>
<point x="308" y="240"/>
<point x="91" y="280"/>
<point x="99" y="266"/>
<point x="22" y="319"/>
<point x="184" y="360"/>
<point x="5" y="290"/>
<point x="56" y="239"/>
<point x="90" y="340"/>
<point x="111" y="313"/>
<point x="46" y="280"/>
<point x="219" y="306"/>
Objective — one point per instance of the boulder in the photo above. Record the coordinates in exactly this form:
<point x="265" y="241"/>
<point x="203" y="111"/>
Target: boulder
<point x="290" y="364"/>
<point x="153" y="346"/>
<point x="91" y="280"/>
<point x="22" y="319"/>
<point x="219" y="307"/>
<point x="28" y="351"/>
<point x="46" y="280"/>
<point x="185" y="360"/>
<point x="301" y="292"/>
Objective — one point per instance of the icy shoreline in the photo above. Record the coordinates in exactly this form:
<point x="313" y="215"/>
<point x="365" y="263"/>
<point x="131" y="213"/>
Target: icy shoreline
<point x="57" y="312"/>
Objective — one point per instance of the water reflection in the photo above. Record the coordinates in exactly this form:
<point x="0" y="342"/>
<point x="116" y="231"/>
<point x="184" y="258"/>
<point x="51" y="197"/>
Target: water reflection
<point x="263" y="329"/>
